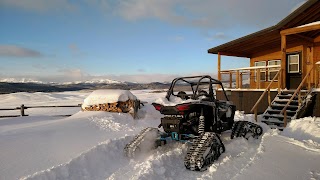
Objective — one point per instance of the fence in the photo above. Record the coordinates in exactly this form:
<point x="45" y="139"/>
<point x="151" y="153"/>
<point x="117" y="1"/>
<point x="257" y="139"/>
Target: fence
<point x="22" y="109"/>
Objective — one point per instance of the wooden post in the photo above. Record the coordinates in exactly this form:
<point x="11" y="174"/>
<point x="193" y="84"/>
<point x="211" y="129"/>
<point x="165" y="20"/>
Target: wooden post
<point x="283" y="60"/>
<point x="285" y="118"/>
<point x="219" y="66"/>
<point x="238" y="79"/>
<point x="318" y="76"/>
<point x="256" y="114"/>
<point x="219" y="69"/>
<point x="299" y="99"/>
<point x="269" y="98"/>
<point x="309" y="83"/>
<point x="22" y="110"/>
<point x="258" y="78"/>
<point x="230" y="74"/>
<point x="279" y="81"/>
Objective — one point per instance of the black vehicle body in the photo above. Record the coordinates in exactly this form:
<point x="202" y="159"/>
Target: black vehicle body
<point x="198" y="119"/>
<point x="199" y="103"/>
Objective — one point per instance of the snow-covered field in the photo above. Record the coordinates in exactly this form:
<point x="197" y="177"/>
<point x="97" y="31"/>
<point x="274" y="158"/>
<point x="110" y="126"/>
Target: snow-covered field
<point x="89" y="145"/>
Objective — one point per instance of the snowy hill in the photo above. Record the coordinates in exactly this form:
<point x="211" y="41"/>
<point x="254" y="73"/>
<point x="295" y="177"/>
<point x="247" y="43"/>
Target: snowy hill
<point x="89" y="145"/>
<point x="12" y="87"/>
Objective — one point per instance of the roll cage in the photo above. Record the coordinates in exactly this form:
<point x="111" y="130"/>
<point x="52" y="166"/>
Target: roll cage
<point x="195" y="82"/>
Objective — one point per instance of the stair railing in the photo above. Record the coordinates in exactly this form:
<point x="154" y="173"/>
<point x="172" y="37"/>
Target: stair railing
<point x="298" y="90"/>
<point x="255" y="107"/>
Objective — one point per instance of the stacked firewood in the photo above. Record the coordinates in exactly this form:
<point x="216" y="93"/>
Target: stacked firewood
<point x="129" y="106"/>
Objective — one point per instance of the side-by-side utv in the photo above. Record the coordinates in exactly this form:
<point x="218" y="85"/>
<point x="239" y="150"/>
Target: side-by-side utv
<point x="195" y="116"/>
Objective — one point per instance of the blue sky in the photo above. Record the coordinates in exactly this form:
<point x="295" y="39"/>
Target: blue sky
<point x="128" y="40"/>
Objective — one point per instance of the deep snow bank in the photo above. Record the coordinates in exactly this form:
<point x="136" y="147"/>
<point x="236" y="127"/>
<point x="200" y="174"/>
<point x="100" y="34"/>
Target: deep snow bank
<point x="304" y="129"/>
<point x="107" y="96"/>
<point x="97" y="163"/>
<point x="89" y="145"/>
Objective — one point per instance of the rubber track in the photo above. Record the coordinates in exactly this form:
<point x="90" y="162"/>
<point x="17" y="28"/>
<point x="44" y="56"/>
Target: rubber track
<point x="243" y="128"/>
<point x="130" y="148"/>
<point x="203" y="151"/>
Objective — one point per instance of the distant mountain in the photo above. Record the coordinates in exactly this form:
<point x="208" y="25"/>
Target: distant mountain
<point x="12" y="87"/>
<point x="96" y="81"/>
<point x="20" y="80"/>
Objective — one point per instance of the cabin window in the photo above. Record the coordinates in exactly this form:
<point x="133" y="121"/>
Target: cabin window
<point x="293" y="63"/>
<point x="262" y="71"/>
<point x="273" y="71"/>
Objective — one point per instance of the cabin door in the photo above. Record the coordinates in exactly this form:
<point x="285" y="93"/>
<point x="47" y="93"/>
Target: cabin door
<point x="293" y="70"/>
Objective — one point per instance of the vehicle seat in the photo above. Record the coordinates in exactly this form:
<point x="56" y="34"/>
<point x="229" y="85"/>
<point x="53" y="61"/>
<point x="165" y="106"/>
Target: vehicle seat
<point x="183" y="95"/>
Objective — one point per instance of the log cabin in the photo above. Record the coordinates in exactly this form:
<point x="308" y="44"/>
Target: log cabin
<point x="284" y="68"/>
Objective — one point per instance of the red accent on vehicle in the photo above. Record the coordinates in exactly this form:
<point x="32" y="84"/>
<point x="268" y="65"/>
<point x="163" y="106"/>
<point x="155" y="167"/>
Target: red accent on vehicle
<point x="157" y="106"/>
<point x="183" y="107"/>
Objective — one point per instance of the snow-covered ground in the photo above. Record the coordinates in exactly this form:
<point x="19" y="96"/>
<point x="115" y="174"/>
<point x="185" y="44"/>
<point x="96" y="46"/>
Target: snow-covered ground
<point x="89" y="145"/>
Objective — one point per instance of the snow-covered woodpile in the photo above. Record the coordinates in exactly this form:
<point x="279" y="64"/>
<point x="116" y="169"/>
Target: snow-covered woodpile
<point x="112" y="100"/>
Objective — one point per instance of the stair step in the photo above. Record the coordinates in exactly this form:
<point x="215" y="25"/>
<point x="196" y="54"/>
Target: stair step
<point x="276" y="116"/>
<point x="275" y="124"/>
<point x="281" y="96"/>
<point x="276" y="127"/>
<point x="272" y="120"/>
<point x="285" y="101"/>
<point x="293" y="91"/>
<point x="281" y="106"/>
<point x="277" y="111"/>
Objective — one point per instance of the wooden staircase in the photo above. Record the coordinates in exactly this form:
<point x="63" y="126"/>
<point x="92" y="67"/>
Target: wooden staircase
<point x="288" y="104"/>
<point x="273" y="116"/>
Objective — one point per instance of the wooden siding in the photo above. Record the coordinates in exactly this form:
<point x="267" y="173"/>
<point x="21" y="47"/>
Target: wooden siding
<point x="310" y="54"/>
<point x="245" y="100"/>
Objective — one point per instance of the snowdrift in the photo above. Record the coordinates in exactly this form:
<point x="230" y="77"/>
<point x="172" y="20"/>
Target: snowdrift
<point x="89" y="145"/>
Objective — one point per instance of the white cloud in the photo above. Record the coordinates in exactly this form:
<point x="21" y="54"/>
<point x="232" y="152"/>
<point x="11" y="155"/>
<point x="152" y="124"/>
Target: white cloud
<point x="208" y="13"/>
<point x="40" y="5"/>
<point x="218" y="35"/>
<point x="195" y="13"/>
<point x="72" y="74"/>
<point x="16" y="51"/>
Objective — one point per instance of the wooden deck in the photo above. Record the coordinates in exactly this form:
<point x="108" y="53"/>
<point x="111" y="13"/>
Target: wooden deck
<point x="245" y="99"/>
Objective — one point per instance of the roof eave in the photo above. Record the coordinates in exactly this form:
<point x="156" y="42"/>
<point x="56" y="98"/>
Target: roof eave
<point x="278" y="26"/>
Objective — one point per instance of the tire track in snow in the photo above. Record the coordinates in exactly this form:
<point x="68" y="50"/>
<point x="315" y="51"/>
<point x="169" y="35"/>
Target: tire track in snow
<point x="106" y="161"/>
<point x="167" y="162"/>
<point x="97" y="163"/>
<point x="156" y="165"/>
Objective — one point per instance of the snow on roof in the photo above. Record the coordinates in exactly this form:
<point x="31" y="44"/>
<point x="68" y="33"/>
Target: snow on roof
<point x="310" y="24"/>
<point x="108" y="96"/>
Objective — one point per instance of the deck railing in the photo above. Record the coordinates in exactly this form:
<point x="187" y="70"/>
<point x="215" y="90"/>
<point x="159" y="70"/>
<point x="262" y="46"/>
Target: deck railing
<point x="239" y="72"/>
<point x="298" y="90"/>
<point x="255" y="107"/>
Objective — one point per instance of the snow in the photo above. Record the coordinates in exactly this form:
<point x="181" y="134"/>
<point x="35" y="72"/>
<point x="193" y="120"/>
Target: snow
<point x="22" y="80"/>
<point x="107" y="96"/>
<point x="173" y="101"/>
<point x="96" y="81"/>
<point x="309" y="24"/>
<point x="89" y="145"/>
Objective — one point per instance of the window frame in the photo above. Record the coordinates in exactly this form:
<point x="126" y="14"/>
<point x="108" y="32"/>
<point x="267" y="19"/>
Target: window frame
<point x="261" y="71"/>
<point x="298" y="63"/>
<point x="273" y="69"/>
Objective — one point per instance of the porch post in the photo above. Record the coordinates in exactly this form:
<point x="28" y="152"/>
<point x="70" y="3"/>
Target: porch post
<point x="238" y="79"/>
<point x="219" y="66"/>
<point x="283" y="60"/>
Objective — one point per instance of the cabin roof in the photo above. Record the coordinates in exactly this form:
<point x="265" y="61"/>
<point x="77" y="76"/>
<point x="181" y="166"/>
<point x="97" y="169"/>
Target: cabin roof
<point x="270" y="38"/>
